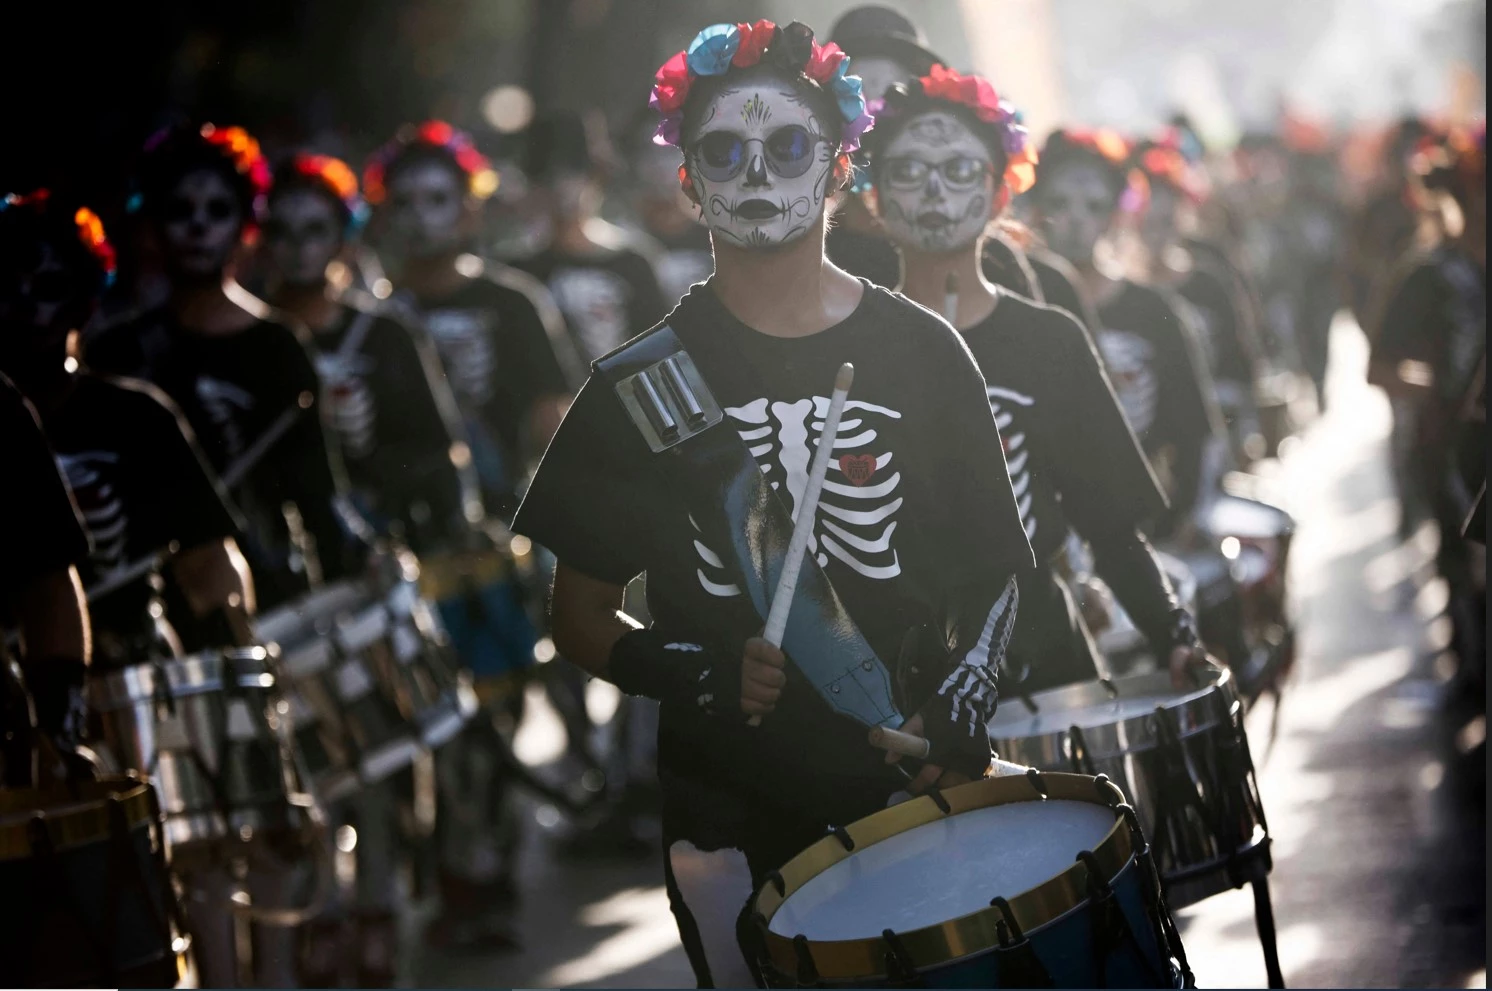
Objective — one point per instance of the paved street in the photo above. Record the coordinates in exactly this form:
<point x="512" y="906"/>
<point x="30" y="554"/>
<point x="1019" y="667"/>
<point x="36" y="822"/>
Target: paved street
<point x="1380" y="867"/>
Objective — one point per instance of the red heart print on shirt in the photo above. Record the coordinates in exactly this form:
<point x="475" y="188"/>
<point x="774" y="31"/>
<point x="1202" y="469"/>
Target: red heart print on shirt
<point x="857" y="467"/>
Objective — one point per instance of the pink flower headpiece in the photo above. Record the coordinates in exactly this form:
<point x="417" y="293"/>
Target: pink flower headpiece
<point x="722" y="47"/>
<point x="481" y="177"/>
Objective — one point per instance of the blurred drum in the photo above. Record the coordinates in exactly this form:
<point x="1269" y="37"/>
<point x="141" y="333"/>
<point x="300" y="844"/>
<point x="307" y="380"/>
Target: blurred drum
<point x="206" y="730"/>
<point x="1035" y="880"/>
<point x="88" y="900"/>
<point x="341" y="687"/>
<point x="1182" y="759"/>
<point x="482" y="608"/>
<point x="441" y="699"/>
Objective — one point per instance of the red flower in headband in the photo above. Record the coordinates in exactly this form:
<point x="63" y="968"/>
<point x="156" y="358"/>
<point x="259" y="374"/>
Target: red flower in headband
<point x="823" y="62"/>
<point x="754" y="41"/>
<point x="243" y="151"/>
<point x="481" y="177"/>
<point x="974" y="92"/>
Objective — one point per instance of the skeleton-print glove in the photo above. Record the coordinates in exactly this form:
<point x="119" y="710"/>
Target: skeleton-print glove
<point x="955" y="721"/>
<point x="678" y="671"/>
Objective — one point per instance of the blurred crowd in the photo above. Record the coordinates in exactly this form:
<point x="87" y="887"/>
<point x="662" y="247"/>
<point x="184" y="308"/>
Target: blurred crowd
<point x="484" y="272"/>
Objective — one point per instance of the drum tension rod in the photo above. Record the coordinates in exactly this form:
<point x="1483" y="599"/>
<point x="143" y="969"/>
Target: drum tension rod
<point x="1037" y="782"/>
<point x="1108" y="792"/>
<point x="939" y="800"/>
<point x="899" y="966"/>
<point x="843" y="836"/>
<point x="1019" y="965"/>
<point x="775" y="879"/>
<point x="808" y="971"/>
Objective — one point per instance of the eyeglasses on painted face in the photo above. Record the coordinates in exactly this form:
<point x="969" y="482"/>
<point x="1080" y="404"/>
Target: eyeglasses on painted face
<point x="219" y="208"/>
<point x="789" y="151"/>
<point x="912" y="173"/>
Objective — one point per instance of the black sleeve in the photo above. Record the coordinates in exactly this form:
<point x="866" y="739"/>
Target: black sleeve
<point x="39" y="526"/>
<point x="1100" y="468"/>
<point x="586" y="503"/>
<point x="647" y="305"/>
<point x="1127" y="563"/>
<point x="192" y="508"/>
<point x="1405" y="329"/>
<point x="1187" y="408"/>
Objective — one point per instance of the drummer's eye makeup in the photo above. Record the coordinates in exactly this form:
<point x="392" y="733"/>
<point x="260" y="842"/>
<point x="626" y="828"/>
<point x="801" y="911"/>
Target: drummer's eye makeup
<point x="934" y="184"/>
<point x="760" y="165"/>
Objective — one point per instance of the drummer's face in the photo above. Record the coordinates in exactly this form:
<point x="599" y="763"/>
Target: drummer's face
<point x="303" y="236"/>
<point x="427" y="205"/>
<point x="1075" y="206"/>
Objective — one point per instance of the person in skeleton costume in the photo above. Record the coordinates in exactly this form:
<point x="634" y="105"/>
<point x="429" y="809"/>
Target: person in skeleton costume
<point x="501" y="342"/>
<point x="917" y="528"/>
<point x="1172" y="258"/>
<point x="604" y="286"/>
<point x="1146" y="340"/>
<point x="946" y="155"/>
<point x="386" y="395"/>
<point x="42" y="541"/>
<point x="116" y="441"/>
<point x="236" y="368"/>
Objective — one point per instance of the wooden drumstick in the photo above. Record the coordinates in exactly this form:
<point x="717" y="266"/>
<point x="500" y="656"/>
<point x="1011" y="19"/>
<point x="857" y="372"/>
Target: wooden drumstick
<point x="808" y="507"/>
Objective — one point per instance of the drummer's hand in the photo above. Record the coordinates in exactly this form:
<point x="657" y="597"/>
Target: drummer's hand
<point x="1186" y="663"/>
<point x="763" y="675"/>
<point x="930" y="774"/>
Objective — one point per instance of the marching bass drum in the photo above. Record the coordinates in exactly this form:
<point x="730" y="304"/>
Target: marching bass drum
<point x="1035" y="880"/>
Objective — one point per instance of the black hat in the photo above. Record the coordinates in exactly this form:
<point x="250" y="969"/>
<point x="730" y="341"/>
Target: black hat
<point x="564" y="141"/>
<point x="876" y="31"/>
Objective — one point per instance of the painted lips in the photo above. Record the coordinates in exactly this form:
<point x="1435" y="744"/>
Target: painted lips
<point x="934" y="221"/>
<point x="757" y="209"/>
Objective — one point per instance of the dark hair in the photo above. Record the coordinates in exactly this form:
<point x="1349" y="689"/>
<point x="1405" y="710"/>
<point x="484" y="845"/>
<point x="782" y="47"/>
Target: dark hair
<point x="288" y="178"/>
<point x="43" y="218"/>
<point x="181" y="150"/>
<point x="1065" y="148"/>
<point x="904" y="102"/>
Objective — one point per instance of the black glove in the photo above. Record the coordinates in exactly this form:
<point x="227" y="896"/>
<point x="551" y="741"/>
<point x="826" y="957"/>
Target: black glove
<point x="677" y="671"/>
<point x="55" y="685"/>
<point x="956" y="719"/>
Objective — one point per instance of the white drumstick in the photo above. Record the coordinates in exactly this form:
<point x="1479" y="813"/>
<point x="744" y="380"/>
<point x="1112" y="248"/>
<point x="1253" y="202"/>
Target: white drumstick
<point x="808" y="507"/>
<point x="950" y="299"/>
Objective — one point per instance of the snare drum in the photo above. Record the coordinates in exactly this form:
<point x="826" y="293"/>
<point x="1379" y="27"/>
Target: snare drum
<point x="442" y="700"/>
<point x="205" y="730"/>
<point x="1182" y="759"/>
<point x="88" y="900"/>
<point x="1026" y="881"/>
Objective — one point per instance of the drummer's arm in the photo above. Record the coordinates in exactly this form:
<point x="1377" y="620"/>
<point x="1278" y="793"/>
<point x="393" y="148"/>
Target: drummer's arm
<point x="53" y="616"/>
<point x="588" y="618"/>
<point x="218" y="587"/>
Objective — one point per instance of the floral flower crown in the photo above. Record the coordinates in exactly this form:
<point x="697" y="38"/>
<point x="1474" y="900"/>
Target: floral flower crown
<point x="1111" y="150"/>
<point x="235" y="146"/>
<point x="1165" y="159"/>
<point x="722" y="47"/>
<point x="89" y="228"/>
<point x="333" y="176"/>
<point x="975" y="93"/>
<point x="481" y="177"/>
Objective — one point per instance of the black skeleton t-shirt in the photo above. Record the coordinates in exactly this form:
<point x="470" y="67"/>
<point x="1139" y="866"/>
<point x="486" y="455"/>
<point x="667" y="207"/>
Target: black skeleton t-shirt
<point x="141" y="485"/>
<point x="1005" y="264"/>
<point x="917" y="505"/>
<point x="394" y="417"/>
<point x="501" y="349"/>
<point x="1059" y="286"/>
<point x="1073" y="461"/>
<point x="237" y="390"/>
<point x="40" y="530"/>
<point x="607" y="298"/>
<point x="1162" y="381"/>
<point x="1225" y="333"/>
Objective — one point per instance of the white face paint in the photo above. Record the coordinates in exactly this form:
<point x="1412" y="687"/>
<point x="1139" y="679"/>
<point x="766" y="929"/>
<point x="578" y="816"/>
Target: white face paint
<point x="934" y="184"/>
<point x="1074" y="207"/>
<point x="760" y="163"/>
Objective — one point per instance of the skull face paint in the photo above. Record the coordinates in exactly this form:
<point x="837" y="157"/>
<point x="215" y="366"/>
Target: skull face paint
<point x="935" y="184"/>
<point x="201" y="225"/>
<point x="1074" y="207"/>
<point x="427" y="200"/>
<point x="303" y="236"/>
<point x="760" y="162"/>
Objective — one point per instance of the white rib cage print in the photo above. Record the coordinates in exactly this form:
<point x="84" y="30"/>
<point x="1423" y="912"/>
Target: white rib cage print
<point x="87" y="474"/>
<point x="351" y="407"/>
<point x="1131" y="363"/>
<point x="856" y="519"/>
<point x="1017" y="455"/>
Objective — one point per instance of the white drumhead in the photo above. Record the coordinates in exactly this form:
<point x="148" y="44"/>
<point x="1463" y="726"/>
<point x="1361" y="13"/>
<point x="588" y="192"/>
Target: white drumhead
<point x="943" y="870"/>
<point x="1013" y="719"/>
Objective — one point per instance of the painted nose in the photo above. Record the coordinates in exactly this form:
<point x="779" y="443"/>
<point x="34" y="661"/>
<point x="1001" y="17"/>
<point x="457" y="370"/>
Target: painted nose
<point x="934" y="187"/>
<point x="756" y="171"/>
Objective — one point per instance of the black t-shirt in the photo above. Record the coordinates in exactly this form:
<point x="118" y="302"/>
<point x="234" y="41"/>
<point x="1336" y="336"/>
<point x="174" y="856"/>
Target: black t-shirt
<point x="1059" y="286"/>
<point x="1224" y="331"/>
<point x="501" y="348"/>
<point x="918" y="506"/>
<point x="40" y="530"/>
<point x="141" y="484"/>
<point x="867" y="256"/>
<point x="379" y="382"/>
<point x="1162" y="381"/>
<point x="1437" y="314"/>
<point x="233" y="389"/>
<point x="607" y="298"/>
<point x="1073" y="461"/>
<point x="1006" y="265"/>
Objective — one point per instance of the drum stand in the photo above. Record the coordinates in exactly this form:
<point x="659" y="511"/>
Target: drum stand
<point x="1264" y="921"/>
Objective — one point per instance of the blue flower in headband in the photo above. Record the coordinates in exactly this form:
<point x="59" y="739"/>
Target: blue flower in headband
<point x="711" y="51"/>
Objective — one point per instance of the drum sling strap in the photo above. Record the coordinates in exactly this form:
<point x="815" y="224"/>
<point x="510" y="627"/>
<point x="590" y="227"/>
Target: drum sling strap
<point x="736" y="510"/>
